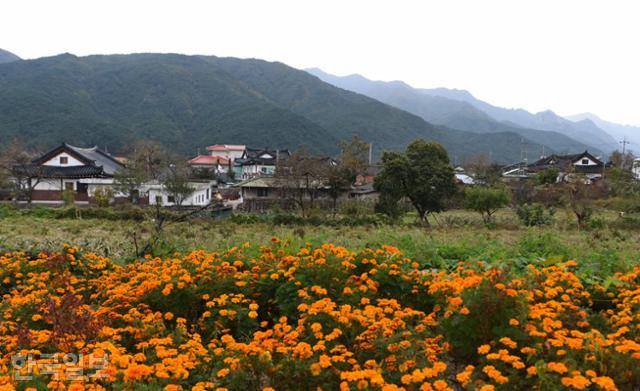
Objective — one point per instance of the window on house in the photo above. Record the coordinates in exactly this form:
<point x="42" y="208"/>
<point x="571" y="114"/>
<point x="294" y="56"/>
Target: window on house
<point x="64" y="160"/>
<point x="171" y="199"/>
<point x="262" y="192"/>
<point x="159" y="200"/>
<point x="68" y="186"/>
<point x="585" y="161"/>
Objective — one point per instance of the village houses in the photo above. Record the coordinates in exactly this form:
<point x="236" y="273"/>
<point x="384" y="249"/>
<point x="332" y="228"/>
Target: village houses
<point x="584" y="164"/>
<point x="236" y="174"/>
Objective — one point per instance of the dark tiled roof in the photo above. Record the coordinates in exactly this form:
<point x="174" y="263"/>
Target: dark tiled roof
<point x="99" y="158"/>
<point x="565" y="162"/>
<point x="88" y="156"/>
<point x="254" y="156"/>
<point x="36" y="171"/>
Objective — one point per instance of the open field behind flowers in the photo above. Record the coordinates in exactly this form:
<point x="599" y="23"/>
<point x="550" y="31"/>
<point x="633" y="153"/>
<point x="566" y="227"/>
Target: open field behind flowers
<point x="286" y="316"/>
<point x="457" y="235"/>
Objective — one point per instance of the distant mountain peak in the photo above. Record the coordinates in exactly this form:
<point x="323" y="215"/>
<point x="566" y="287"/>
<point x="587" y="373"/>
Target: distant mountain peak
<point x="452" y="93"/>
<point x="7" y="56"/>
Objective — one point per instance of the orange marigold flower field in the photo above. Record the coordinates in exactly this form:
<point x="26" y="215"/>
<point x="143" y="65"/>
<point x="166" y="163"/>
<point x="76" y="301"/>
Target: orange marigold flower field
<point x="312" y="318"/>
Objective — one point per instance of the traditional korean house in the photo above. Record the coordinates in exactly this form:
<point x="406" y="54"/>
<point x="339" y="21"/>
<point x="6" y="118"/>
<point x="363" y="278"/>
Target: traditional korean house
<point x="258" y="162"/>
<point x="584" y="164"/>
<point x="75" y="169"/>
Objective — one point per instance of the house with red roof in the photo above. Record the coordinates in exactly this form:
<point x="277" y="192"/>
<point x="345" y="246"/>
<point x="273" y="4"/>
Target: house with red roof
<point x="219" y="159"/>
<point x="227" y="151"/>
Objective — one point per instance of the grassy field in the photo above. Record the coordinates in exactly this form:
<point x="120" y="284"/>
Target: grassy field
<point x="454" y="235"/>
<point x="299" y="307"/>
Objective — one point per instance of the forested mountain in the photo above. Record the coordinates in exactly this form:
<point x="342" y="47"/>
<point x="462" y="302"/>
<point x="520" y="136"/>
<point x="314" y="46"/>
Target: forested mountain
<point x="618" y="131"/>
<point x="454" y="110"/>
<point x="6" y="56"/>
<point x="187" y="102"/>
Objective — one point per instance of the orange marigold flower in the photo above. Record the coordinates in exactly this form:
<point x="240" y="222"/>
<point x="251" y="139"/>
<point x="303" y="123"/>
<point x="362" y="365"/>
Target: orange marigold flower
<point x="605" y="382"/>
<point x="578" y="382"/>
<point x="557" y="367"/>
<point x="484" y="349"/>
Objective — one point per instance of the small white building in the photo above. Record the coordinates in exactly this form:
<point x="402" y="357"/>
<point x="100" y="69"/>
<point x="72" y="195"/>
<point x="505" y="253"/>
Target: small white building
<point x="636" y="168"/>
<point x="204" y="192"/>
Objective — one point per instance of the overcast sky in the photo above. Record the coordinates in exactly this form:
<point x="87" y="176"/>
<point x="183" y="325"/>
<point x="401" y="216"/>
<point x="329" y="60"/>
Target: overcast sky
<point x="567" y="56"/>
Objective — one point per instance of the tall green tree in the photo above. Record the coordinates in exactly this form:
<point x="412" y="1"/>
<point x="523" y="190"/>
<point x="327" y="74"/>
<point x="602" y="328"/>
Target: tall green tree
<point x="422" y="174"/>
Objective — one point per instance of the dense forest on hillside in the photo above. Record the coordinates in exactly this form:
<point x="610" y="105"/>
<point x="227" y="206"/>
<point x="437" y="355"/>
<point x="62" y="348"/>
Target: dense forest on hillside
<point x="187" y="102"/>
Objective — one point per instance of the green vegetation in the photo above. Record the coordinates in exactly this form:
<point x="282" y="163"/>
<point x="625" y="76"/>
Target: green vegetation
<point x="486" y="200"/>
<point x="422" y="174"/>
<point x="186" y="102"/>
<point x="453" y="236"/>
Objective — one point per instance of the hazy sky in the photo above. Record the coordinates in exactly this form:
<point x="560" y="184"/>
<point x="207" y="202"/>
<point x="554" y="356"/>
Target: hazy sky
<point x="568" y="56"/>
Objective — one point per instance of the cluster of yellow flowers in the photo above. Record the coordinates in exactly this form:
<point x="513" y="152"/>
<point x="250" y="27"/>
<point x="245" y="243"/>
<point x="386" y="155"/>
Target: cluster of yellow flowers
<point x="311" y="318"/>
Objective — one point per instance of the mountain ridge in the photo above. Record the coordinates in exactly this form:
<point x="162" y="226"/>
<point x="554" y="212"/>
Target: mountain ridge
<point x="188" y="102"/>
<point x="447" y="111"/>
<point x="6" y="56"/>
<point x="543" y="120"/>
<point x="621" y="132"/>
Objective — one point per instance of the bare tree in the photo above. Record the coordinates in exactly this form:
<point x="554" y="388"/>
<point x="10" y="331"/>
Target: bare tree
<point x="623" y="161"/>
<point x="148" y="161"/>
<point x="176" y="183"/>
<point x="482" y="168"/>
<point x="340" y="174"/>
<point x="299" y="179"/>
<point x="18" y="171"/>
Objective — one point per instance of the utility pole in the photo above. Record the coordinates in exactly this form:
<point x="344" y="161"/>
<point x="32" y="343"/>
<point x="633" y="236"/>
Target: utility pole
<point x="523" y="156"/>
<point x="624" y="143"/>
<point x="370" y="153"/>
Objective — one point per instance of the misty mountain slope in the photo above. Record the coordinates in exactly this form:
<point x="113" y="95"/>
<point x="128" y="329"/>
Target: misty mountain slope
<point x="187" y="102"/>
<point x="618" y="131"/>
<point x="584" y="131"/>
<point x="453" y="113"/>
<point x="434" y="109"/>
<point x="6" y="56"/>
